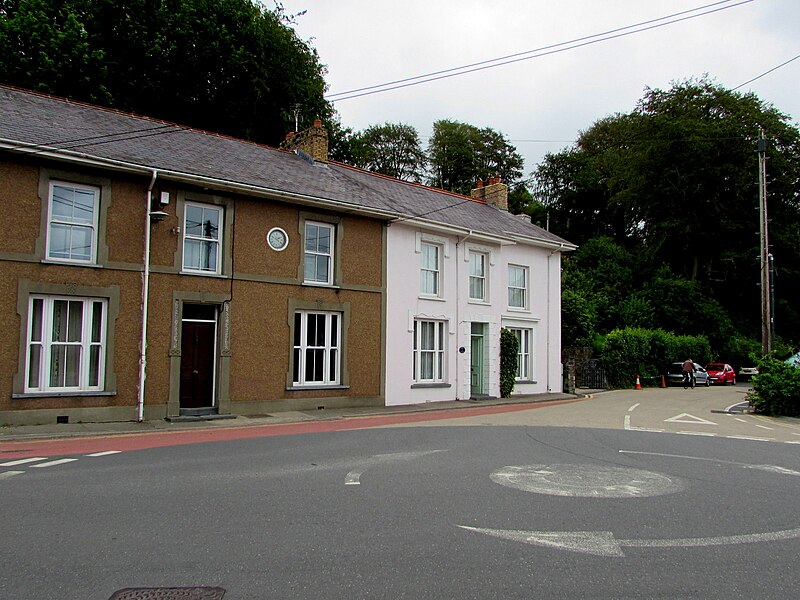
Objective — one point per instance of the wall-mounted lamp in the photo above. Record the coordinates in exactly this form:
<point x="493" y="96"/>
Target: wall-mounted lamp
<point x="157" y="203"/>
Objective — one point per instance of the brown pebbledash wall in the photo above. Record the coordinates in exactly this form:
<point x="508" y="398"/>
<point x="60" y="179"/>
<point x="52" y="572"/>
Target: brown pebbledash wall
<point x="256" y="296"/>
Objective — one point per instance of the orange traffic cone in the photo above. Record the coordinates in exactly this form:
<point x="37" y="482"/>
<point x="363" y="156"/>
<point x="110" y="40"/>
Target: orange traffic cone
<point x="663" y="382"/>
<point x="638" y="385"/>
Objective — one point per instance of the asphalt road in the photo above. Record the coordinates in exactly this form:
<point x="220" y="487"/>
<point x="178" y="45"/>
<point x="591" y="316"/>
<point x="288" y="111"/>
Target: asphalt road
<point x="616" y="498"/>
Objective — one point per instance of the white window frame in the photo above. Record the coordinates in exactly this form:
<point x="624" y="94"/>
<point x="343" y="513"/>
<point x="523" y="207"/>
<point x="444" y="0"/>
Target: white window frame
<point x="524" y="337"/>
<point x="429" y="272"/>
<point x="434" y="353"/>
<point x="478" y="277"/>
<point x="512" y="288"/>
<point x="330" y="348"/>
<point x="44" y="340"/>
<point x="205" y="240"/>
<point x="316" y="254"/>
<point x="69" y="225"/>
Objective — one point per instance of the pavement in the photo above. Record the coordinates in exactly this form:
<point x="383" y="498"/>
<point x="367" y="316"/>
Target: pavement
<point x="86" y="429"/>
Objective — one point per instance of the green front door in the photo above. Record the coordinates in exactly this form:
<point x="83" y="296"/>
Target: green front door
<point x="477" y="360"/>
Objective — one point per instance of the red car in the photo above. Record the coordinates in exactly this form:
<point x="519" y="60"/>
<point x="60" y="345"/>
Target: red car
<point x="721" y="373"/>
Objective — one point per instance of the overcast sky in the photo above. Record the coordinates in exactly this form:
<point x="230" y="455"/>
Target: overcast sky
<point x="541" y="104"/>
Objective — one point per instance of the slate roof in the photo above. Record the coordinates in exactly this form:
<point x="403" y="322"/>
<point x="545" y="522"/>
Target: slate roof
<point x="77" y="131"/>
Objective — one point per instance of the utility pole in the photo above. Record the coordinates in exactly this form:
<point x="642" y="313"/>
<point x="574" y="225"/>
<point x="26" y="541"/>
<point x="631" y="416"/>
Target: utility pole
<point x="766" y="303"/>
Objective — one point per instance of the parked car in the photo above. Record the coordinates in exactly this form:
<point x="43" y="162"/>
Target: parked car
<point x="721" y="373"/>
<point x="675" y="375"/>
<point x="746" y="373"/>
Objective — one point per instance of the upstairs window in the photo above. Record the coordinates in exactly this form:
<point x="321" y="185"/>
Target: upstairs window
<point x="477" y="276"/>
<point x="430" y="269"/>
<point x="202" y="238"/>
<point x="72" y="222"/>
<point x="517" y="287"/>
<point x="318" y="260"/>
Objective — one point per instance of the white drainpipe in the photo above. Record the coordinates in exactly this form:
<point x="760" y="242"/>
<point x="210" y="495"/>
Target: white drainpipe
<point x="145" y="299"/>
<point x="468" y="341"/>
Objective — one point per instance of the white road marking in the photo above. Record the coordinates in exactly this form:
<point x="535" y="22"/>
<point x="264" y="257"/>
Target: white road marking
<point x="106" y="453"/>
<point x="627" y="422"/>
<point x="764" y="427"/>
<point x="635" y="406"/>
<point x="603" y="543"/>
<point x="687" y="418"/>
<point x="746" y="437"/>
<point x="741" y="420"/>
<point x="7" y="474"/>
<point x="768" y="468"/>
<point x="53" y="463"/>
<point x="21" y="461"/>
<point x="646" y="429"/>
<point x="791" y="442"/>
<point x="585" y="481"/>
<point x="701" y="433"/>
<point x="353" y="478"/>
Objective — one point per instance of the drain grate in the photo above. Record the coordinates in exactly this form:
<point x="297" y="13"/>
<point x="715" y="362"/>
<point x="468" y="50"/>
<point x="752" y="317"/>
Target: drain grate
<point x="172" y="593"/>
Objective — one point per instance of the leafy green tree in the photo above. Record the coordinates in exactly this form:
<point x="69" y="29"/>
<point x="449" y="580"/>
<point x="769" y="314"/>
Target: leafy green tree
<point x="578" y="320"/>
<point x="390" y="149"/>
<point x="228" y="66"/>
<point x="674" y="182"/>
<point x="459" y="154"/>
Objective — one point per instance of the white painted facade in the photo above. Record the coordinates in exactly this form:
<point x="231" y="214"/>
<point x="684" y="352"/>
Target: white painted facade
<point x="470" y="327"/>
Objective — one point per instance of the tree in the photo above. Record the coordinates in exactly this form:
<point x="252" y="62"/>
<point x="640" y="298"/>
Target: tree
<point x="390" y="149"/>
<point x="228" y="66"/>
<point x="674" y="182"/>
<point x="459" y="154"/>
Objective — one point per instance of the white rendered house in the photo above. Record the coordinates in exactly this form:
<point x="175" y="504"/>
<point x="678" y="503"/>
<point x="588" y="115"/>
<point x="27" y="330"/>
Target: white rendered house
<point x="451" y="288"/>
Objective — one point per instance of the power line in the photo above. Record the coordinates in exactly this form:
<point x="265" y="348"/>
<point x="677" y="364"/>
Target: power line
<point x="538" y="52"/>
<point x="783" y="64"/>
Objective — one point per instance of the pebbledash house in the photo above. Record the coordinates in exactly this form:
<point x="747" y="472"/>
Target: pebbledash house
<point x="154" y="271"/>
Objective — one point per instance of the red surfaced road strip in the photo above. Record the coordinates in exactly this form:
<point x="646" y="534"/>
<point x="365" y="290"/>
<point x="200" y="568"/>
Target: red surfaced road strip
<point x="140" y="441"/>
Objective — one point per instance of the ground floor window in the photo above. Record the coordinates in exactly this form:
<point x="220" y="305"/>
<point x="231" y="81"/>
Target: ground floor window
<point x="317" y="348"/>
<point x="428" y="351"/>
<point x="66" y="344"/>
<point x="524" y="369"/>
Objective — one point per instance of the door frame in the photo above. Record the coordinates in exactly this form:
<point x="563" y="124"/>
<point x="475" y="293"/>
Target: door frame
<point x="214" y="362"/>
<point x="155" y="409"/>
<point x="479" y="361"/>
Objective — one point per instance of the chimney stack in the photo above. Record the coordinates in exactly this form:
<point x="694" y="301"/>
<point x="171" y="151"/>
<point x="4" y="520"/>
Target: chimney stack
<point x="493" y="192"/>
<point x="313" y="142"/>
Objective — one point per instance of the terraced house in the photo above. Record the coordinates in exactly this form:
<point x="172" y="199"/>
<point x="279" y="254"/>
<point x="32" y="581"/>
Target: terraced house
<point x="153" y="271"/>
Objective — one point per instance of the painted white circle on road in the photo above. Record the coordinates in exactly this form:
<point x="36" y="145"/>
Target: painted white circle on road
<point x="586" y="481"/>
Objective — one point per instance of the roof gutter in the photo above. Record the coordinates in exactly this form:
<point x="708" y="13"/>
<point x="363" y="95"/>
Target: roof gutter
<point x="54" y="153"/>
<point x="178" y="176"/>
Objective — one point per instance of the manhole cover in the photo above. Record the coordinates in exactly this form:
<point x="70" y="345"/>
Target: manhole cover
<point x="586" y="481"/>
<point x="171" y="593"/>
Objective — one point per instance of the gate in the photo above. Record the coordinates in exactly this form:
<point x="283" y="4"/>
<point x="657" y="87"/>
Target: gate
<point x="591" y="375"/>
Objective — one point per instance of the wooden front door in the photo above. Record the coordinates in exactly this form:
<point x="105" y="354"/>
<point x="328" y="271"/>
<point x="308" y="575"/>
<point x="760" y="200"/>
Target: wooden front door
<point x="198" y="349"/>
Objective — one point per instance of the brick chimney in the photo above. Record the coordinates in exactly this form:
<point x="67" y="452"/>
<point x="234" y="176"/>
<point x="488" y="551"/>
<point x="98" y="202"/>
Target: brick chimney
<point x="494" y="193"/>
<point x="313" y="142"/>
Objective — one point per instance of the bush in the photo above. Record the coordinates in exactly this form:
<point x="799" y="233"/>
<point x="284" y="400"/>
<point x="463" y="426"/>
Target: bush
<point x="629" y="352"/>
<point x="776" y="389"/>
<point x="509" y="355"/>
